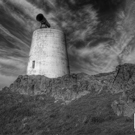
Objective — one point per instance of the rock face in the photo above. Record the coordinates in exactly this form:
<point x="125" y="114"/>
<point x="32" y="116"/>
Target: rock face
<point x="70" y="86"/>
<point x="74" y="86"/>
<point x="75" y="104"/>
<point x="65" y="88"/>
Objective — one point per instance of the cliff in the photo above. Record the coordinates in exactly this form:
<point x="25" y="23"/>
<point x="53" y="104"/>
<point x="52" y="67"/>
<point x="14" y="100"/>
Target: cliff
<point x="77" y="104"/>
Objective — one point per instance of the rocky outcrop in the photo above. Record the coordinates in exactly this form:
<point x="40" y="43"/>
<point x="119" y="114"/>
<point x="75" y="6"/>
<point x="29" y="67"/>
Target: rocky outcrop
<point x="74" y="86"/>
<point x="76" y="104"/>
<point x="125" y="77"/>
<point x="122" y="79"/>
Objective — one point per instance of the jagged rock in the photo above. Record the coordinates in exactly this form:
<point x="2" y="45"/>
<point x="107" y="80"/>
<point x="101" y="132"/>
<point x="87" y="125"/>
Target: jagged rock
<point x="74" y="86"/>
<point x="64" y="88"/>
<point x="125" y="77"/>
<point x="117" y="107"/>
<point x="75" y="104"/>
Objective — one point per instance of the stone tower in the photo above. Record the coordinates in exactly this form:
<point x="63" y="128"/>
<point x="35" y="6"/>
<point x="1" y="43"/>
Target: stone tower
<point x="48" y="53"/>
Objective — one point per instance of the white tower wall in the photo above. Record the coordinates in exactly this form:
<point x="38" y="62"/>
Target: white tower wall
<point x="48" y="55"/>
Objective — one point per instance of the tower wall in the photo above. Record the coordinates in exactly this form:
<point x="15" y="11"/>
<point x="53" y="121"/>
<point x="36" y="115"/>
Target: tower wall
<point x="48" y="54"/>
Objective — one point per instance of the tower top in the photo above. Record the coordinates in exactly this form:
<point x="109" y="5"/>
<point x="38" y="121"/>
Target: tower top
<point x="43" y="21"/>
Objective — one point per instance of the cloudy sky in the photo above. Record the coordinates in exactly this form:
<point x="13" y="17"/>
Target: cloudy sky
<point x="100" y="33"/>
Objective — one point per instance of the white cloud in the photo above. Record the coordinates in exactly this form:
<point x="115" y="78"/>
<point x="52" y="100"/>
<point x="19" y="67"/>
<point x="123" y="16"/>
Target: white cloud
<point x="27" y="7"/>
<point x="6" y="33"/>
<point x="13" y="66"/>
<point x="11" y="61"/>
<point x="100" y="58"/>
<point x="6" y="80"/>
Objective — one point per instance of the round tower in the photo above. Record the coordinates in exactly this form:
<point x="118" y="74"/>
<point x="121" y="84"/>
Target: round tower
<point x="48" y="53"/>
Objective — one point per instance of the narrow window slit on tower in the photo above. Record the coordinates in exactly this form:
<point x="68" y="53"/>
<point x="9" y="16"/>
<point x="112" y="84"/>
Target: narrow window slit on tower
<point x="33" y="64"/>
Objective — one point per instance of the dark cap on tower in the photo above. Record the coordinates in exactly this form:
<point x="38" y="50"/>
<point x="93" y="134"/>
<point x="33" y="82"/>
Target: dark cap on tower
<point x="43" y="21"/>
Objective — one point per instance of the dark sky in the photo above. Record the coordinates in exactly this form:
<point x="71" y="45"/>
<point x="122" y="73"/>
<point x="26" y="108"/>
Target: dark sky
<point x="100" y="33"/>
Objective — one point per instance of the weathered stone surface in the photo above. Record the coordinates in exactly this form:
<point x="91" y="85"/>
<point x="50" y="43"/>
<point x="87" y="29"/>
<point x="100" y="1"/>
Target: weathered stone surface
<point x="74" y="86"/>
<point x="75" y="104"/>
